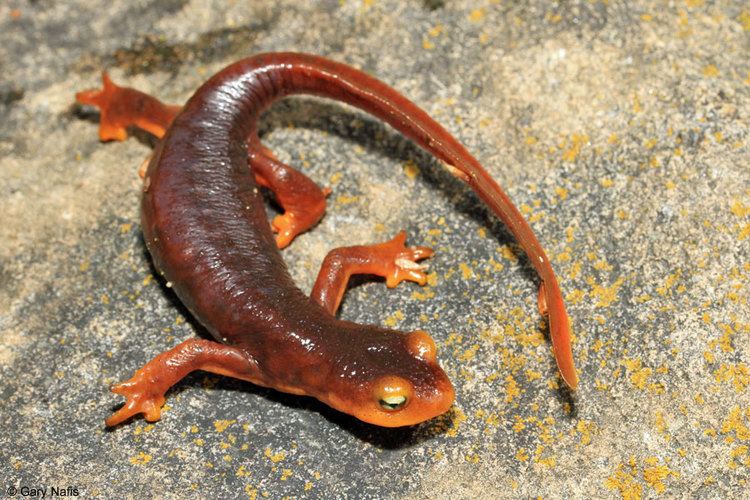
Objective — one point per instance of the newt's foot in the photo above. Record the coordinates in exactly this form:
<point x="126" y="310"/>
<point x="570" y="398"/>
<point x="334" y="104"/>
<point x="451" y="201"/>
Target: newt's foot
<point x="296" y="221"/>
<point x="141" y="398"/>
<point x="108" y="100"/>
<point x="400" y="262"/>
<point x="288" y="226"/>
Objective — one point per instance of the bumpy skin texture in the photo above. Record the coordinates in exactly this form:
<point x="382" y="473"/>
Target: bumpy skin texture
<point x="205" y="225"/>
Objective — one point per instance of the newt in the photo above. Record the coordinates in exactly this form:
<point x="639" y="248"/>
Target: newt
<point x="205" y="226"/>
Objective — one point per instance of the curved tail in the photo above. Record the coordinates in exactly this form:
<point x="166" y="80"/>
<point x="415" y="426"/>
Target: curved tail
<point x="300" y="73"/>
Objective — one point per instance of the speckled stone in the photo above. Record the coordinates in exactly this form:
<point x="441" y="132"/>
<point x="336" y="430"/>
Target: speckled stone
<point x="619" y="128"/>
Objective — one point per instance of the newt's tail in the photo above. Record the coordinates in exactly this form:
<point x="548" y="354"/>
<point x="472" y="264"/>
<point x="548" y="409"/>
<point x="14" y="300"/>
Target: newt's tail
<point x="338" y="81"/>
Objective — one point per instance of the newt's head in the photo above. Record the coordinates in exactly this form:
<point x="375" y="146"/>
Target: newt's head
<point x="393" y="381"/>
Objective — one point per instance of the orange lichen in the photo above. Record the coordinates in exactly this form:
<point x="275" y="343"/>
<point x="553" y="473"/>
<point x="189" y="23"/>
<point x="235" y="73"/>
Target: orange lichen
<point x="512" y="390"/>
<point x="274" y="457"/>
<point x="411" y="169"/>
<point x="605" y="295"/>
<point x="140" y="459"/>
<point x="585" y="428"/>
<point x="734" y="423"/>
<point x="639" y="375"/>
<point x="655" y="474"/>
<point x="738" y="374"/>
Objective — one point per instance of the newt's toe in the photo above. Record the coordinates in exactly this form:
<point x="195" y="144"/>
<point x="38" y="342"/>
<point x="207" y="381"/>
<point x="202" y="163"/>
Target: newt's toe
<point x="140" y="399"/>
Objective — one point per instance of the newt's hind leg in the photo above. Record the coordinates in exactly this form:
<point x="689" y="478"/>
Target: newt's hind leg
<point x="391" y="260"/>
<point x="304" y="203"/>
<point x="123" y="107"/>
<point x="145" y="390"/>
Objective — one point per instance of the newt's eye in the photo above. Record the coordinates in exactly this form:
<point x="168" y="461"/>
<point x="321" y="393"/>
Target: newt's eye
<point x="392" y="403"/>
<point x="392" y="393"/>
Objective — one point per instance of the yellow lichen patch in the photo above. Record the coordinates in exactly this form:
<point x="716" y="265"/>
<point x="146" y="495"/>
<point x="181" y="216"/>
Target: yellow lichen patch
<point x="740" y="209"/>
<point x="222" y="425"/>
<point x="508" y="253"/>
<point x="561" y="192"/>
<point x="744" y="19"/>
<point x="469" y="353"/>
<point x="639" y="375"/>
<point x="394" y="319"/>
<point x="532" y="375"/>
<point x="669" y="282"/>
<point x="607" y="182"/>
<point x="661" y="425"/>
<point x="476" y="15"/>
<point x="457" y="417"/>
<point x="427" y="294"/>
<point x="549" y="461"/>
<point x="411" y="169"/>
<point x="734" y="423"/>
<point x="570" y="234"/>
<point x="739" y="453"/>
<point x="466" y="271"/>
<point x="624" y="480"/>
<point x="575" y="296"/>
<point x="336" y="178"/>
<point x="252" y="493"/>
<point x="512" y="390"/>
<point x="432" y="279"/>
<point x="436" y="30"/>
<point x="725" y="341"/>
<point x="710" y="71"/>
<point x="274" y="457"/>
<point x="346" y="200"/>
<point x="140" y="459"/>
<point x="522" y="455"/>
<point x="577" y="141"/>
<point x="585" y="428"/>
<point x="605" y="295"/>
<point x="286" y="474"/>
<point x="738" y="374"/>
<point x="655" y="474"/>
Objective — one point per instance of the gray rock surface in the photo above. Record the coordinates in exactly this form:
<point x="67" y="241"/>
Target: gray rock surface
<point x="620" y="129"/>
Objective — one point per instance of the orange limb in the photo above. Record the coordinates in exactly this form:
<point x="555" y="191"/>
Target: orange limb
<point x="391" y="260"/>
<point x="303" y="202"/>
<point x="123" y="107"/>
<point x="145" y="390"/>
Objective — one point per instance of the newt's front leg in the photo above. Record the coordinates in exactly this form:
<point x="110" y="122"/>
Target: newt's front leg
<point x="145" y="390"/>
<point x="391" y="260"/>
